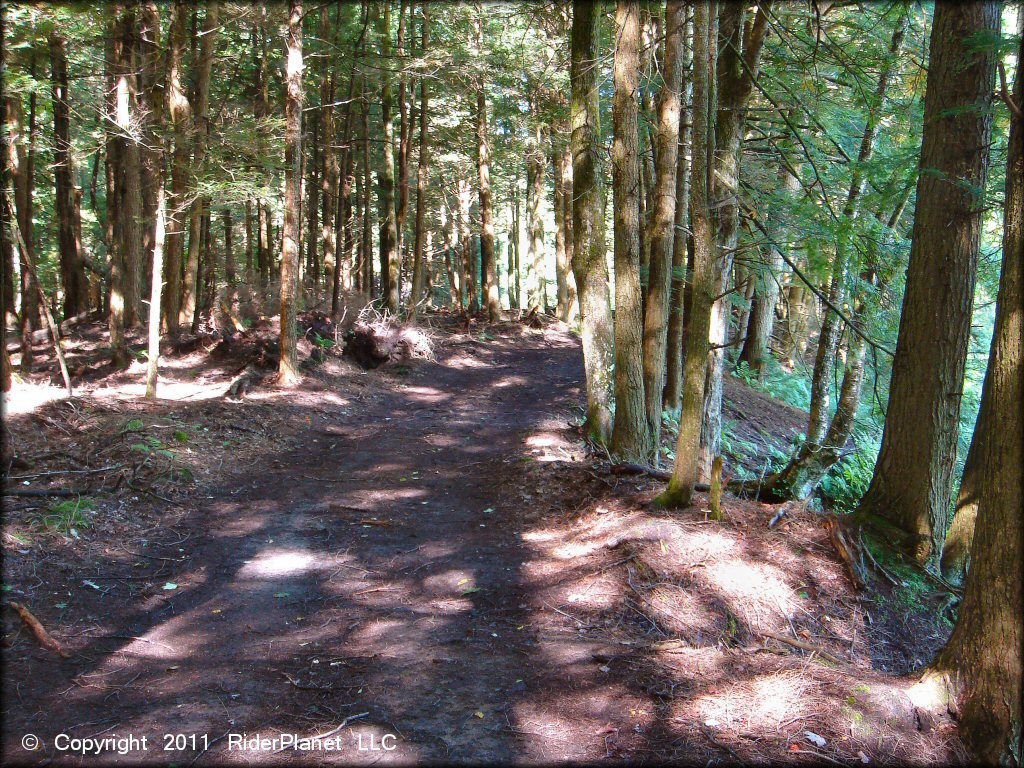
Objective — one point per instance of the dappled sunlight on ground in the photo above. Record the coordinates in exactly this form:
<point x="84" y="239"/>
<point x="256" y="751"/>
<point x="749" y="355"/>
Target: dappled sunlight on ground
<point x="433" y="547"/>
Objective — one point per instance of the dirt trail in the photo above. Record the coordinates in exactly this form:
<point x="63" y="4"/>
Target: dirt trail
<point x="291" y="612"/>
<point x="423" y="555"/>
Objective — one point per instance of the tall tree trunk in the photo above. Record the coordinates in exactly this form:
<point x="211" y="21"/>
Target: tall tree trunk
<point x="662" y="231"/>
<point x="518" y="234"/>
<point x="572" y="304"/>
<point x="536" y="161"/>
<point x="767" y="285"/>
<point x="190" y="283"/>
<point x="483" y="164"/>
<point x="674" y="356"/>
<point x="72" y="268"/>
<point x="687" y="463"/>
<point x="150" y="90"/>
<point x="588" y="257"/>
<point x="404" y="134"/>
<point x="117" y="119"/>
<point x="180" y="113"/>
<point x="7" y="220"/>
<point x="288" y="367"/>
<point x="911" y="485"/>
<point x="467" y="279"/>
<point x="798" y="312"/>
<point x="6" y="309"/>
<point x="156" y="175"/>
<point x="631" y="439"/>
<point x="261" y="109"/>
<point x="6" y="242"/>
<point x="313" y="181"/>
<point x="956" y="554"/>
<point x="230" y="276"/>
<point x="332" y="168"/>
<point x="159" y="239"/>
<point x="367" y="231"/>
<point x="983" y="656"/>
<point x="736" y="70"/>
<point x="20" y="171"/>
<point x="561" y="201"/>
<point x="131" y="169"/>
<point x="390" y="258"/>
<point x="344" y="240"/>
<point x="419" y="268"/>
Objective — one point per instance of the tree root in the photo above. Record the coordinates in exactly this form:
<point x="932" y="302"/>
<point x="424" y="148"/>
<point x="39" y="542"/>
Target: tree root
<point x="659" y="474"/>
<point x="38" y="630"/>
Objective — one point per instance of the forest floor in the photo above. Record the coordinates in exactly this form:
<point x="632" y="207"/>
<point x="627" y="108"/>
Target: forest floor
<point x="427" y="555"/>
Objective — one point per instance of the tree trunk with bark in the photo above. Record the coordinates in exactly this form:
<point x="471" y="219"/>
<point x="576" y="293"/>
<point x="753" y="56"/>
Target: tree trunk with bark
<point x="390" y="258"/>
<point x="631" y="439"/>
<point x="405" y="121"/>
<point x="768" y="284"/>
<point x="536" y="161"/>
<point x="662" y="232"/>
<point x="288" y="367"/>
<point x="981" y="663"/>
<point x="588" y="257"/>
<point x="911" y="486"/>
<point x="676" y="321"/>
<point x="483" y="164"/>
<point x="117" y="118"/>
<point x="72" y="268"/>
<point x="190" y="283"/>
<point x="736" y="70"/>
<point x="180" y="113"/>
<point x="19" y="168"/>
<point x="679" y="492"/>
<point x="367" y="231"/>
<point x="420" y="266"/>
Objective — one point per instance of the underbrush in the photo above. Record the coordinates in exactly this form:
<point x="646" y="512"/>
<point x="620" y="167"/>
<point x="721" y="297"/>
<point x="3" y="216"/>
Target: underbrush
<point x="848" y="481"/>
<point x="790" y="387"/>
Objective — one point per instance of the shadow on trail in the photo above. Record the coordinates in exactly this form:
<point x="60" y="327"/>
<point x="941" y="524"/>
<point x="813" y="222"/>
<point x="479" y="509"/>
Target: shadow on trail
<point x="375" y="570"/>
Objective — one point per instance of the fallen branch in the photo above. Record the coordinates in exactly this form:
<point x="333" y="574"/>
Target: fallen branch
<point x="851" y="552"/>
<point x="801" y="645"/>
<point x="710" y="737"/>
<point x="331" y="732"/>
<point x="39" y="492"/>
<point x="878" y="567"/>
<point x="69" y="472"/>
<point x="38" y="630"/>
<point x="38" y="337"/>
<point x="658" y="474"/>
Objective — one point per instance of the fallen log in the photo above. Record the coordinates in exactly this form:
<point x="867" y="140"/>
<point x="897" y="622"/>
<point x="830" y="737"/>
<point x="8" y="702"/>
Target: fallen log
<point x="659" y="474"/>
<point x="43" y="334"/>
<point x="41" y="635"/>
<point x="802" y="646"/>
<point x="39" y="492"/>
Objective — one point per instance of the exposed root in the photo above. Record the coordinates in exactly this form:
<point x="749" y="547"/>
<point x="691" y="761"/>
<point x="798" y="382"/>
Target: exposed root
<point x="376" y="339"/>
<point x="41" y="635"/>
